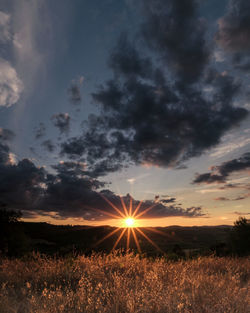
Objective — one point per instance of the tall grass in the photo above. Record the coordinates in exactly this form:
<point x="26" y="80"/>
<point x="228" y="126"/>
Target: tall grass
<point x="124" y="283"/>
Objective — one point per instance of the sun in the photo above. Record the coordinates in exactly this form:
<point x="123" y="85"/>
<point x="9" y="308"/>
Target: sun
<point x="129" y="222"/>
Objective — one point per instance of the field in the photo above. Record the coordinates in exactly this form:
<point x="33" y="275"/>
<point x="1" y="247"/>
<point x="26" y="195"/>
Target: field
<point x="124" y="283"/>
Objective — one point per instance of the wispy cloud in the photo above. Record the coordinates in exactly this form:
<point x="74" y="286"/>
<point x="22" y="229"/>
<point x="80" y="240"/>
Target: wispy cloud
<point x="31" y="38"/>
<point x="220" y="173"/>
<point x="229" y="145"/>
<point x="74" y="90"/>
<point x="11" y="86"/>
<point x="5" y="34"/>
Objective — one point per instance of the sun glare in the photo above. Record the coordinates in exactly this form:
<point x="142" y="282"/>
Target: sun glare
<point x="129" y="222"/>
<point x="129" y="227"/>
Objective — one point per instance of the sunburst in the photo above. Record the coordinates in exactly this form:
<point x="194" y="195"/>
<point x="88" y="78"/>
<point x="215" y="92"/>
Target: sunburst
<point x="129" y="218"/>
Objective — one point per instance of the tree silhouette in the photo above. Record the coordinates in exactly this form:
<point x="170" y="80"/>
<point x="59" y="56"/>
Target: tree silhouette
<point x="240" y="237"/>
<point x="13" y="241"/>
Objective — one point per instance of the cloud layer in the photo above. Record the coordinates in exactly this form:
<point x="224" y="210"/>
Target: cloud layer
<point x="62" y="122"/>
<point x="166" y="102"/>
<point x="234" y="33"/>
<point x="70" y="192"/>
<point x="220" y="173"/>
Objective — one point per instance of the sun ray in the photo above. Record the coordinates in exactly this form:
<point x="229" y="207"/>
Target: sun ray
<point x="156" y="231"/>
<point x="119" y="238"/>
<point x="149" y="240"/>
<point x="113" y="206"/>
<point x="106" y="213"/>
<point x="107" y="236"/>
<point x="128" y="238"/>
<point x="124" y="206"/>
<point x="136" y="240"/>
<point x="130" y="206"/>
<point x="146" y="210"/>
<point x="129" y="215"/>
<point x="137" y="208"/>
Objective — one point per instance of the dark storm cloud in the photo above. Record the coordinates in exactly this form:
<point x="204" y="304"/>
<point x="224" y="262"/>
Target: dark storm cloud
<point x="234" y="28"/>
<point x="40" y="131"/>
<point x="6" y="134"/>
<point x="73" y="147"/>
<point x="221" y="172"/>
<point x="72" y="193"/>
<point x="145" y="123"/>
<point x="20" y="183"/>
<point x="234" y="33"/>
<point x="127" y="60"/>
<point x="159" y="116"/>
<point x="173" y="30"/>
<point x="68" y="193"/>
<point x="62" y="122"/>
<point x="209" y="178"/>
<point x="241" y="61"/>
<point x="48" y="145"/>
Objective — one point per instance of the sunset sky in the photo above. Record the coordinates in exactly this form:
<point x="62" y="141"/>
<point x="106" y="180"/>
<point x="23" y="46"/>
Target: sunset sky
<point x="140" y="99"/>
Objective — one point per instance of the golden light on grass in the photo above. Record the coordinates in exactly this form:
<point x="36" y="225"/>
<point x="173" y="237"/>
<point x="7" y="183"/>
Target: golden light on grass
<point x="129" y="223"/>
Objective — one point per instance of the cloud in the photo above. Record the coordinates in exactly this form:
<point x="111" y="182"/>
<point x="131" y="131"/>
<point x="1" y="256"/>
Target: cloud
<point x="209" y="178"/>
<point x="170" y="200"/>
<point x="62" y="122"/>
<point x="11" y="86"/>
<point x="40" y="131"/>
<point x="69" y="192"/>
<point x="73" y="147"/>
<point x="173" y="30"/>
<point x="73" y="193"/>
<point x="129" y="62"/>
<point x="6" y="134"/>
<point x="230" y="145"/>
<point x="241" y="213"/>
<point x="20" y="182"/>
<point x="242" y="197"/>
<point x="153" y="114"/>
<point x="234" y="28"/>
<point x="221" y="199"/>
<point x="48" y="145"/>
<point x="74" y="90"/>
<point x="221" y="172"/>
<point x="32" y="39"/>
<point x="5" y="34"/>
<point x="234" y="33"/>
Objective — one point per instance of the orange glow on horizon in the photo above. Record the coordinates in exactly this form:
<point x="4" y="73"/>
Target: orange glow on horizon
<point x="129" y="223"/>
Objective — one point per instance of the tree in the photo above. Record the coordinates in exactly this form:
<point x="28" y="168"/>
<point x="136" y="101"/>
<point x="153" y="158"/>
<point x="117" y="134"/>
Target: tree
<point x="13" y="241"/>
<point x="9" y="216"/>
<point x="240" y="237"/>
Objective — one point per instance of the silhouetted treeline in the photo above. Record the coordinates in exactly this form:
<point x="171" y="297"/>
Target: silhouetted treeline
<point x="20" y="238"/>
<point x="13" y="241"/>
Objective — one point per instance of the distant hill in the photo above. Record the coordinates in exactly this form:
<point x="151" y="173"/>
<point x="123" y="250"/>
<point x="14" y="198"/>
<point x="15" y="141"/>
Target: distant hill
<point x="61" y="239"/>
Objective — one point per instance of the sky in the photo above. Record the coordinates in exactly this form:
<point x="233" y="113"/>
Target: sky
<point x="122" y="101"/>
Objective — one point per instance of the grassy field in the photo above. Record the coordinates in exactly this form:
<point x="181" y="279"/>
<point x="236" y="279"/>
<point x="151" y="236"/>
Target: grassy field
<point x="115" y="283"/>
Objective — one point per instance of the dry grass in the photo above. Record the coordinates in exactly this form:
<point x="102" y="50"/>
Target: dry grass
<point x="113" y="283"/>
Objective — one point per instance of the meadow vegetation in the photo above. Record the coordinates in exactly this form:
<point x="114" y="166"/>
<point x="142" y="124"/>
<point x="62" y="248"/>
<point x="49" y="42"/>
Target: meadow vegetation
<point x="122" y="283"/>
